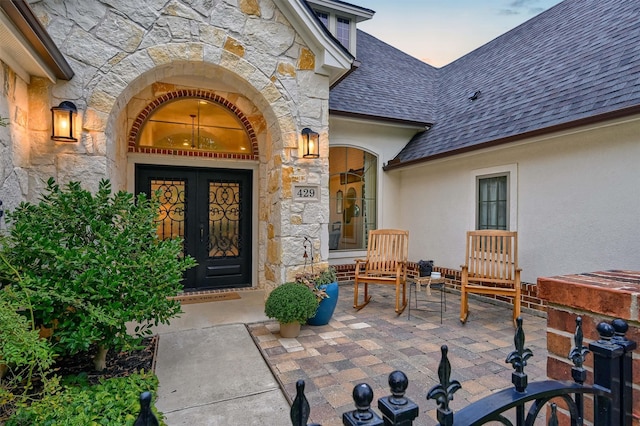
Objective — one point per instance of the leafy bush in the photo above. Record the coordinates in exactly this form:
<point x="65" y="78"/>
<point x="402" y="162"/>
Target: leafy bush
<point x="291" y="302"/>
<point x="24" y="356"/>
<point x="92" y="264"/>
<point x="112" y="402"/>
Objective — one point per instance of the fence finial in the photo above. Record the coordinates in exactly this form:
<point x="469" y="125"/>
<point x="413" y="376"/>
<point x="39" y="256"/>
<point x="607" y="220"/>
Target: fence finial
<point x="579" y="351"/>
<point x="362" y="415"/>
<point x="397" y="409"/>
<point x="398" y="383"/>
<point x="518" y="359"/>
<point x="443" y="392"/>
<point x="578" y="354"/>
<point x="620" y="328"/>
<point x="146" y="417"/>
<point x="300" y="410"/>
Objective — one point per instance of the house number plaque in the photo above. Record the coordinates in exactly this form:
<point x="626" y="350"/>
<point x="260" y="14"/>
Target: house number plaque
<point x="306" y="192"/>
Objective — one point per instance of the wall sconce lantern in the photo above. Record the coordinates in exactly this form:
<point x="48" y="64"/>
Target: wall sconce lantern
<point x="62" y="118"/>
<point x="310" y="143"/>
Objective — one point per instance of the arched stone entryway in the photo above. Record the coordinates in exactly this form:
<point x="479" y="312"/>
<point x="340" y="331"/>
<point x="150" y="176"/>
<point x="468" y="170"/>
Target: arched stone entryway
<point x="278" y="221"/>
<point x="208" y="205"/>
<point x="259" y="126"/>
<point x="252" y="57"/>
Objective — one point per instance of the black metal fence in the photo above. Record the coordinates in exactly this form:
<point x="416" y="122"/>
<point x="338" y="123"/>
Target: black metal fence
<point x="611" y="390"/>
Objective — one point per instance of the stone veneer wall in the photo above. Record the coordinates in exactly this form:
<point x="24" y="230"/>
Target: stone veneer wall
<point x="596" y="297"/>
<point x="124" y="52"/>
<point x="529" y="293"/>
<point x="14" y="152"/>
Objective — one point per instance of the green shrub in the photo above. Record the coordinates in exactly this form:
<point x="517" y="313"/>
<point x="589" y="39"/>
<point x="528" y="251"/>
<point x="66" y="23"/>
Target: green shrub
<point x="291" y="302"/>
<point x="92" y="264"/>
<point x="24" y="356"/>
<point x="112" y="402"/>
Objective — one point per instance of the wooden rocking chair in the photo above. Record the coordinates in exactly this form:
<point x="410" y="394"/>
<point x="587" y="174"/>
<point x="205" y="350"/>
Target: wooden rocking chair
<point x="386" y="263"/>
<point x="491" y="267"/>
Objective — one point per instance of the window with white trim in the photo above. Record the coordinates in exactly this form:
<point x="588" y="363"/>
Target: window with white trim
<point x="493" y="203"/>
<point x="495" y="198"/>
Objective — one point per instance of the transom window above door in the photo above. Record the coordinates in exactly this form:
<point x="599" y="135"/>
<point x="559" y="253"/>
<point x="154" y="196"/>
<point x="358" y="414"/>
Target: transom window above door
<point x="195" y="124"/>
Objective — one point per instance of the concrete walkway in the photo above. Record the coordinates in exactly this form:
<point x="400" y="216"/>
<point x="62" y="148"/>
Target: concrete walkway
<point x="210" y="370"/>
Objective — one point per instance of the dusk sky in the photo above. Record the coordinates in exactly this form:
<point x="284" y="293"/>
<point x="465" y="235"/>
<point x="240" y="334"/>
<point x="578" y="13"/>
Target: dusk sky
<point x="441" y="31"/>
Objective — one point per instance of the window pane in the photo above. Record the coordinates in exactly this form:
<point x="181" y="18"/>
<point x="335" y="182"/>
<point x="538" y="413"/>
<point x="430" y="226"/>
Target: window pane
<point x="342" y="31"/>
<point x="324" y="18"/>
<point x="195" y="125"/>
<point x="352" y="188"/>
<point x="492" y="203"/>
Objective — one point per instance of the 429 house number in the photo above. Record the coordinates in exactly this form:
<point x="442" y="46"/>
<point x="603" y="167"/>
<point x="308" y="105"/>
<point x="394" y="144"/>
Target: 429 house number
<point x="306" y="192"/>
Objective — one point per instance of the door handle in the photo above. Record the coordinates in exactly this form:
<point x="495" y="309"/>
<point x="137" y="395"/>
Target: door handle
<point x="201" y="233"/>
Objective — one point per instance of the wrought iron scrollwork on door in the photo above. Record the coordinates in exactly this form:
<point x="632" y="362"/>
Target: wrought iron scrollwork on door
<point x="224" y="219"/>
<point x="171" y="214"/>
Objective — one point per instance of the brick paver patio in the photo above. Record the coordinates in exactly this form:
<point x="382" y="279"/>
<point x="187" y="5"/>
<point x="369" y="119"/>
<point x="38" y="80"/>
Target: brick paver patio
<point x="365" y="346"/>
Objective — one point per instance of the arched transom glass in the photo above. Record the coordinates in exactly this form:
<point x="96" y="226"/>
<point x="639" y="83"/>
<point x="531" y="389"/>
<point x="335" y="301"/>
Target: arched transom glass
<point x="195" y="124"/>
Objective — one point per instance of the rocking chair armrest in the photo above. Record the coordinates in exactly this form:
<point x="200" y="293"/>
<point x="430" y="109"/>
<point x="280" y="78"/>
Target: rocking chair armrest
<point x="464" y="273"/>
<point x="360" y="262"/>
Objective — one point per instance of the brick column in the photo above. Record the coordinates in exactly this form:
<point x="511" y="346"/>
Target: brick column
<point x="596" y="297"/>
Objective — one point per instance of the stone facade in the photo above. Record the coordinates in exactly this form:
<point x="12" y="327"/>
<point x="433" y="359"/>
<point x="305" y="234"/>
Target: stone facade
<point x="125" y="54"/>
<point x="14" y="140"/>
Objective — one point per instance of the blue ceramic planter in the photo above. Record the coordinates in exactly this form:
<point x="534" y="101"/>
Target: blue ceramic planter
<point x="327" y="306"/>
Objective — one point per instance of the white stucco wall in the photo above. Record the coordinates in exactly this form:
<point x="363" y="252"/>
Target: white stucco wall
<point x="578" y="201"/>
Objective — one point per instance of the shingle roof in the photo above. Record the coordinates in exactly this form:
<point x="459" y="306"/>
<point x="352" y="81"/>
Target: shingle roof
<point x="577" y="60"/>
<point x="389" y="84"/>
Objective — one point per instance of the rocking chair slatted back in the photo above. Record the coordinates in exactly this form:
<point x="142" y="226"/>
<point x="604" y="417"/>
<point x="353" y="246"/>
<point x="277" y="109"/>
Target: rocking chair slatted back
<point x="491" y="267"/>
<point x="386" y="263"/>
<point x="386" y="249"/>
<point x="492" y="256"/>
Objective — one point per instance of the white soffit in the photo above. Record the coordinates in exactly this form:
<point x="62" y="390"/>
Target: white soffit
<point x="18" y="54"/>
<point x="358" y="13"/>
<point x="331" y="59"/>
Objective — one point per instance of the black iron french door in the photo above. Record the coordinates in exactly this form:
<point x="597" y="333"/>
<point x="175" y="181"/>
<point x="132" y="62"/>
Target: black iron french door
<point x="211" y="210"/>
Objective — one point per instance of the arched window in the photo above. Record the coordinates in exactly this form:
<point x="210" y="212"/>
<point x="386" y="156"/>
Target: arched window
<point x="197" y="125"/>
<point x="353" y="176"/>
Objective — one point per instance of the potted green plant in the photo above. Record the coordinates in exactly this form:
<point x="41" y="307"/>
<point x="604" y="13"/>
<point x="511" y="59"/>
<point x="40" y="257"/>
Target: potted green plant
<point x="324" y="285"/>
<point x="291" y="304"/>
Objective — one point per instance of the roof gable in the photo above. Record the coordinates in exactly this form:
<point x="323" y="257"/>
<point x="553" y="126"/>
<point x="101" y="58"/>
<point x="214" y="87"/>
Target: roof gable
<point x="331" y="58"/>
<point x="388" y="85"/>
